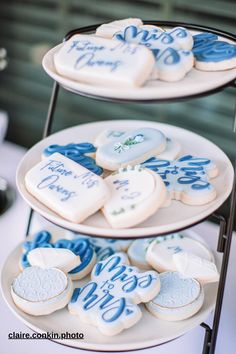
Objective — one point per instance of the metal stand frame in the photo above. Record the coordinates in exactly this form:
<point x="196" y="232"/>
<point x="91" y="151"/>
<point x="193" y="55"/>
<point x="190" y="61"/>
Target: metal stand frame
<point x="225" y="224"/>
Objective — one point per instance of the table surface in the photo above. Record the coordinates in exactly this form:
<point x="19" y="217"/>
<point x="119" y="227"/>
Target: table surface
<point x="12" y="227"/>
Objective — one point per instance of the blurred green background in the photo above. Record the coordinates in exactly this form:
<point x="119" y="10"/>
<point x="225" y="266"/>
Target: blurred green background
<point x="30" y="27"/>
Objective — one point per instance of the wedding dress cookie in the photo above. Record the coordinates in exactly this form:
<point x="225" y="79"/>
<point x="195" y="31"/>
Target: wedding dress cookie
<point x="136" y="194"/>
<point x="107" y="30"/>
<point x="99" y="61"/>
<point x="66" y="187"/>
<point x="187" y="178"/>
<point x="38" y="291"/>
<point x="212" y="54"/>
<point x="172" y="49"/>
<point x="109" y="301"/>
<point x="132" y="148"/>
<point x="81" y="153"/>
<point x="160" y="252"/>
<point x="178" y="299"/>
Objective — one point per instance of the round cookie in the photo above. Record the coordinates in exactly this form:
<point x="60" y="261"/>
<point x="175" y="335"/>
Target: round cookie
<point x="132" y="148"/>
<point x="137" y="252"/>
<point x="38" y="291"/>
<point x="160" y="252"/>
<point x="135" y="196"/>
<point x="178" y="299"/>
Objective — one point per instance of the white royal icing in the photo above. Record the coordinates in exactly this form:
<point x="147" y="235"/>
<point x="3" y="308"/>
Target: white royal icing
<point x="160" y="252"/>
<point x="40" y="291"/>
<point x="60" y="258"/>
<point x="107" y="30"/>
<point x="192" y="266"/>
<point x="110" y="300"/>
<point x="172" y="49"/>
<point x="187" y="178"/>
<point x="104" y="248"/>
<point x="137" y="253"/>
<point x="178" y="299"/>
<point x="61" y="184"/>
<point x="132" y="148"/>
<point x="95" y="60"/>
<point x="135" y="195"/>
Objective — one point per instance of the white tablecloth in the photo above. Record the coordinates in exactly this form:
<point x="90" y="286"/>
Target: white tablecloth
<point x="12" y="228"/>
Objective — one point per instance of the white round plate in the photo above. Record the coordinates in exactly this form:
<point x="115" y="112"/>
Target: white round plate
<point x="195" y="82"/>
<point x="156" y="331"/>
<point x="175" y="217"/>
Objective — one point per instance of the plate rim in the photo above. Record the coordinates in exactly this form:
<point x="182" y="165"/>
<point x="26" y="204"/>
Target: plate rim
<point x="135" y="232"/>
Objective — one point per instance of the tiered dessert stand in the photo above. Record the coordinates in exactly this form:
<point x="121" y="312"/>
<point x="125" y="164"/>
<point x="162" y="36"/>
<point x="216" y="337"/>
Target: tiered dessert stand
<point x="197" y="84"/>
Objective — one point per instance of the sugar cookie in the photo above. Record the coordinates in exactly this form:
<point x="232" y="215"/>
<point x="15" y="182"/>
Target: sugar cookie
<point x="82" y="153"/>
<point x="160" y="252"/>
<point x="109" y="301"/>
<point x="132" y="148"/>
<point x="61" y="184"/>
<point x="192" y="266"/>
<point x="100" y="61"/>
<point x="178" y="299"/>
<point x="136" y="194"/>
<point x="187" y="178"/>
<point x="38" y="291"/>
<point x="107" y="30"/>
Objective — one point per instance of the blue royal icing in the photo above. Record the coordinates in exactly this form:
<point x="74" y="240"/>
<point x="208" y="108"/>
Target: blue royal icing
<point x="208" y="48"/>
<point x="187" y="173"/>
<point x="176" y="291"/>
<point x="76" y="152"/>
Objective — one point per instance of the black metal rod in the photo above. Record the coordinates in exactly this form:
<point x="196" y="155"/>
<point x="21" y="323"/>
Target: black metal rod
<point x="224" y="267"/>
<point x="46" y="132"/>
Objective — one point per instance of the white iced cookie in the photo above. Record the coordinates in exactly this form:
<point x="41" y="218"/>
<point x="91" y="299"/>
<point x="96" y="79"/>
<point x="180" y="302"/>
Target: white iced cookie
<point x="172" y="49"/>
<point x="109" y="301"/>
<point x="107" y="136"/>
<point x="137" y="253"/>
<point x="136" y="194"/>
<point x="61" y="184"/>
<point x="187" y="179"/>
<point x="172" y="150"/>
<point x="60" y="258"/>
<point x="160" y="252"/>
<point x="131" y="149"/>
<point x="107" y="30"/>
<point x="178" y="299"/>
<point x="192" y="266"/>
<point x="38" y="291"/>
<point x="104" y="248"/>
<point x="100" y="61"/>
<point x="212" y="54"/>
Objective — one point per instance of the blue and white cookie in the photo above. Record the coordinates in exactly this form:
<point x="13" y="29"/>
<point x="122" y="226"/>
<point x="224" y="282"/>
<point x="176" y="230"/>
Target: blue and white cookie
<point x="109" y="301"/>
<point x="61" y="184"/>
<point x="99" y="61"/>
<point x="108" y="30"/>
<point x="161" y="251"/>
<point x="131" y="149"/>
<point x="178" y="299"/>
<point x="171" y="49"/>
<point x="171" y="152"/>
<point x="39" y="291"/>
<point x="82" y="153"/>
<point x="212" y="54"/>
<point x="136" y="194"/>
<point x="105" y="248"/>
<point x="187" y="179"/>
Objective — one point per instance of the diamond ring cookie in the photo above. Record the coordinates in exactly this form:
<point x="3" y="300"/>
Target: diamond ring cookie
<point x="178" y="299"/>
<point x="99" y="61"/>
<point x="187" y="178"/>
<point x="160" y="252"/>
<point x="109" y="301"/>
<point x="136" y="194"/>
<point x="134" y="147"/>
<point x="39" y="291"/>
<point x="66" y="187"/>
